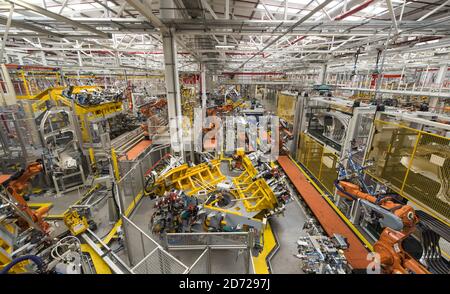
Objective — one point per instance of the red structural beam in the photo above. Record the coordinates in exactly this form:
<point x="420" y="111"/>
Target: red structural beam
<point x="256" y="73"/>
<point x="354" y="10"/>
<point x="30" y="67"/>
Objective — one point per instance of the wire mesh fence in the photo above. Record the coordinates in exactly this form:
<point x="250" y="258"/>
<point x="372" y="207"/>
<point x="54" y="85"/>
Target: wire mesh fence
<point x="202" y="264"/>
<point x="415" y="164"/>
<point x="132" y="182"/>
<point x="146" y="255"/>
<point x="215" y="240"/>
<point x="159" y="262"/>
<point x="219" y="248"/>
<point x="319" y="160"/>
<point x="286" y="106"/>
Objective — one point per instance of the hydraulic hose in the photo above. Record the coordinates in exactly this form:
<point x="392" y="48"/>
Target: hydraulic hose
<point x="34" y="258"/>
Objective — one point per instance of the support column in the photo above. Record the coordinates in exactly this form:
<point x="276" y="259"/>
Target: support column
<point x="173" y="93"/>
<point x="203" y="89"/>
<point x="441" y="75"/>
<point x="298" y="122"/>
<point x="209" y="82"/>
<point x="172" y="82"/>
<point x="323" y="74"/>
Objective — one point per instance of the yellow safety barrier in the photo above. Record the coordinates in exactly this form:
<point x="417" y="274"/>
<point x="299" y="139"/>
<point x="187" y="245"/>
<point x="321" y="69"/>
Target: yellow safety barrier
<point x="286" y="107"/>
<point x="415" y="164"/>
<point x="319" y="160"/>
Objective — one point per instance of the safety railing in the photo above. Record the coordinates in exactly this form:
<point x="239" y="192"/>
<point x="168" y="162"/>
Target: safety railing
<point x="213" y="240"/>
<point x="415" y="164"/>
<point x="146" y="255"/>
<point x="202" y="265"/>
<point x="132" y="182"/>
<point x="20" y="141"/>
<point x="319" y="160"/>
<point x="217" y="247"/>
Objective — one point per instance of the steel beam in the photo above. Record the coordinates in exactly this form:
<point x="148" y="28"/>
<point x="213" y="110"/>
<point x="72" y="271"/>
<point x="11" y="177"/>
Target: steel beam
<point x="210" y="10"/>
<point x="29" y="27"/>
<point x="58" y="17"/>
<point x="155" y="21"/>
<point x="302" y="20"/>
<point x="5" y="34"/>
<point x="63" y="5"/>
<point x="266" y="9"/>
<point x="433" y="11"/>
<point x="392" y="13"/>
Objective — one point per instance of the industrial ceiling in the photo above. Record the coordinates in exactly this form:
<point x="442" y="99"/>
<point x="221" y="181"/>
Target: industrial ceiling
<point x="226" y="35"/>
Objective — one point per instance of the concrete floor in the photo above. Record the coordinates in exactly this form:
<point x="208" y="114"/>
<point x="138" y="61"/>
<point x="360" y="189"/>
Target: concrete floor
<point x="222" y="261"/>
<point x="60" y="203"/>
<point x="288" y="229"/>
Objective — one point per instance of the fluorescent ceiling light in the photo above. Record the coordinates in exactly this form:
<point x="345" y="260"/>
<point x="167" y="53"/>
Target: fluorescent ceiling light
<point x="427" y="42"/>
<point x="353" y="18"/>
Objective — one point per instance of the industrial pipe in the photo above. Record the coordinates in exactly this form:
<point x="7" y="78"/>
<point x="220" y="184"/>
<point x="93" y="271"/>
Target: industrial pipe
<point x="34" y="258"/>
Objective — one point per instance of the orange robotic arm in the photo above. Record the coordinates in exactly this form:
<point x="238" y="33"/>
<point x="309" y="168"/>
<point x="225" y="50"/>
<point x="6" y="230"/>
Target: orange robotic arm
<point x="17" y="186"/>
<point x="389" y="246"/>
<point x="405" y="212"/>
<point x="392" y="256"/>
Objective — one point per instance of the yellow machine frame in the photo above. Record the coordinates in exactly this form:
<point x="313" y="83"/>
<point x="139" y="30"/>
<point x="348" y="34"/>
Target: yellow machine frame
<point x="84" y="113"/>
<point x="256" y="195"/>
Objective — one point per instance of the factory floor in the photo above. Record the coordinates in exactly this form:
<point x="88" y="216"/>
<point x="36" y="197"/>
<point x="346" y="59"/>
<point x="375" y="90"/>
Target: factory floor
<point x="287" y="227"/>
<point x="60" y="203"/>
<point x="222" y="261"/>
